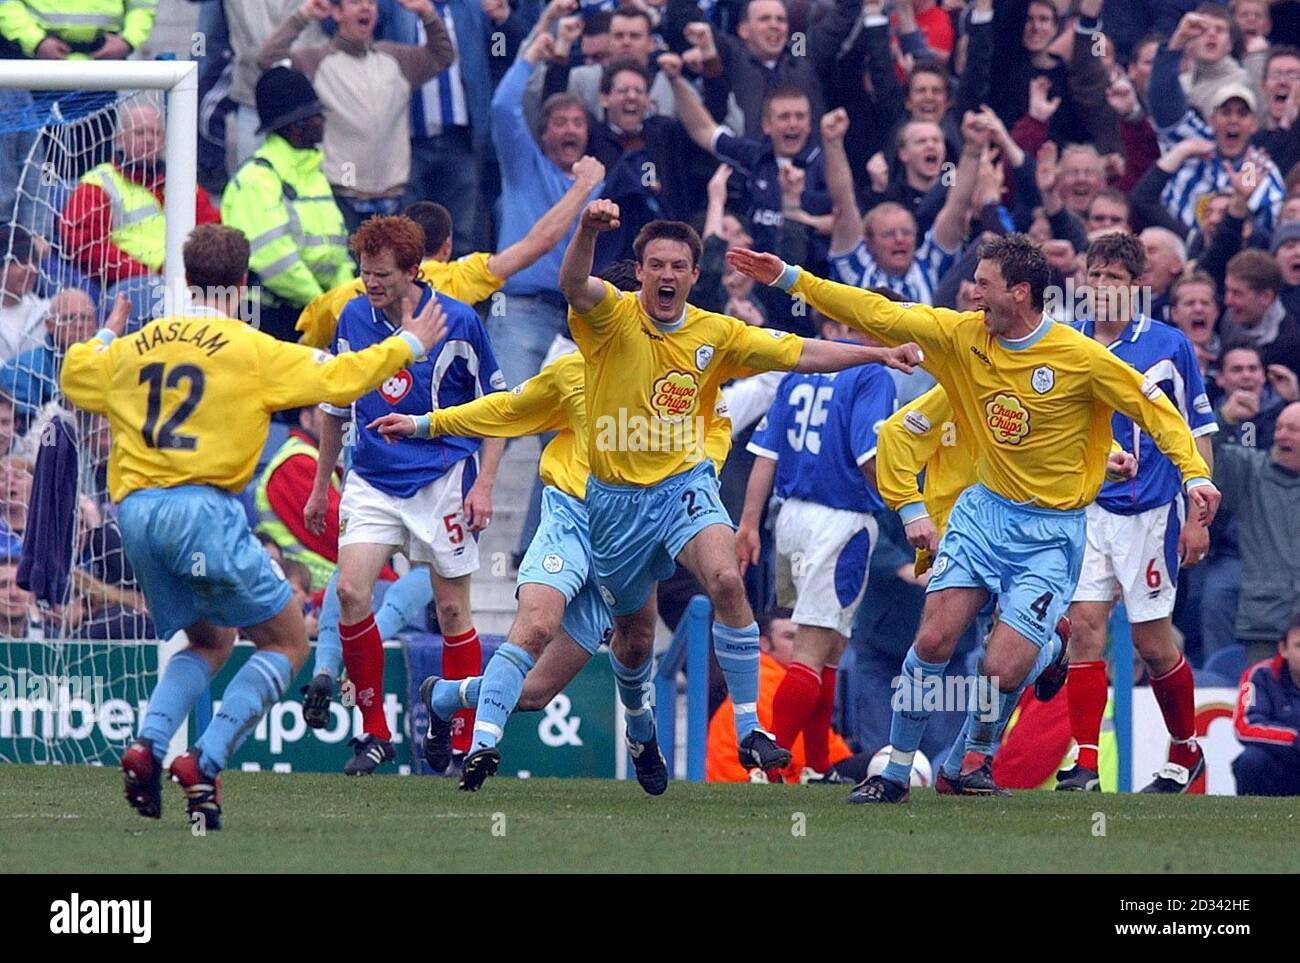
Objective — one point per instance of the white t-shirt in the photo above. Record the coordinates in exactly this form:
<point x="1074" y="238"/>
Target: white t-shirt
<point x="22" y="326"/>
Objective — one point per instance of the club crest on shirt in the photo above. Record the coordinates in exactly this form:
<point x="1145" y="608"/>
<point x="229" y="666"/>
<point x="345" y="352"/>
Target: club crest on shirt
<point x="396" y="387"/>
<point x="1043" y="379"/>
<point x="673" y="395"/>
<point x="1008" y="419"/>
<point x="552" y="564"/>
<point x="703" y="355"/>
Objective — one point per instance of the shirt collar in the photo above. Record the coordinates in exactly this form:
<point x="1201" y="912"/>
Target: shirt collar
<point x="1136" y="327"/>
<point x="659" y="325"/>
<point x="1031" y="339"/>
<point x="381" y="320"/>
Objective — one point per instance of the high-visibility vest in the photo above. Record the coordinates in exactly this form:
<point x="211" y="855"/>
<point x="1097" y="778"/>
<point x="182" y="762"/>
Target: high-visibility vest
<point x="269" y="522"/>
<point x="280" y="199"/>
<point x="138" y="226"/>
<point x="78" y="23"/>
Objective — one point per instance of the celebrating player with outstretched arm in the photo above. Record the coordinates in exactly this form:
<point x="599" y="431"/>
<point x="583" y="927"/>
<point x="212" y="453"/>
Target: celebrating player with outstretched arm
<point x="1038" y="397"/>
<point x="654" y="366"/>
<point x="189" y="400"/>
<point x="562" y="620"/>
<point x="924" y="437"/>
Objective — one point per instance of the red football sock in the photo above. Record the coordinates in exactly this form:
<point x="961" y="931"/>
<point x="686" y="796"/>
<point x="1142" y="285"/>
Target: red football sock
<point x="1175" y="692"/>
<point x="462" y="657"/>
<point x="1086" y="686"/>
<point x="794" y="701"/>
<point x="363" y="655"/>
<point x="817" y="730"/>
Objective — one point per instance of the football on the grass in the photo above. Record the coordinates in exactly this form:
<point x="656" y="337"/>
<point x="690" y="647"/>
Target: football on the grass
<point x="921" y="773"/>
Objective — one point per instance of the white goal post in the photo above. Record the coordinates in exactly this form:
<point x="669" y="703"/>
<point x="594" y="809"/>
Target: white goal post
<point x="68" y="694"/>
<point x="179" y="80"/>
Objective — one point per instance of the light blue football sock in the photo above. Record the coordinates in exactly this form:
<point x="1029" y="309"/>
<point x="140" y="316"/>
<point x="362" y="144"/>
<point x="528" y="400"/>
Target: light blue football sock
<point x="329" y="648"/>
<point x="952" y="762"/>
<point x="983" y="731"/>
<point x="405" y="603"/>
<point x="184" y="681"/>
<point x="503" y="681"/>
<point x="635" y="691"/>
<point x="452" y="695"/>
<point x="983" y="735"/>
<point x="263" y="679"/>
<point x="737" y="652"/>
<point x="910" y="714"/>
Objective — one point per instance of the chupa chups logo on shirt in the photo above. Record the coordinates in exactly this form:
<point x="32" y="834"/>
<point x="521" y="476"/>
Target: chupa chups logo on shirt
<point x="674" y="395"/>
<point x="1008" y="419"/>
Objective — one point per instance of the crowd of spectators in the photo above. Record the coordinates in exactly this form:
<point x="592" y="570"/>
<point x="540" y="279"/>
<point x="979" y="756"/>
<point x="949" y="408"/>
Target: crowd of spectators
<point x="875" y="142"/>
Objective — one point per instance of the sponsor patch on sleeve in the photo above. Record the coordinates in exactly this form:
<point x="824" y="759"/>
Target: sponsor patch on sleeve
<point x="916" y="423"/>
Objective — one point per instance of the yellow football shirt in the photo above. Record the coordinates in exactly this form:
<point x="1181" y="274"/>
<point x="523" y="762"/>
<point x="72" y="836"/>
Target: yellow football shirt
<point x="1039" y="410"/>
<point x="552" y="400"/>
<point x="189" y="398"/>
<point x="651" y="388"/>
<point x="467" y="279"/>
<point x="924" y="436"/>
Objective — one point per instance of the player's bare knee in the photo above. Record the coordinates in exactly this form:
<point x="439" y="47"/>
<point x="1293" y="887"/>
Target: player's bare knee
<point x="1156" y="649"/>
<point x="727" y="589"/>
<point x="632" y="646"/>
<point x="451" y="612"/>
<point x="930" y="644"/>
<point x="354" y="600"/>
<point x="1004" y="670"/>
<point x="1087" y="636"/>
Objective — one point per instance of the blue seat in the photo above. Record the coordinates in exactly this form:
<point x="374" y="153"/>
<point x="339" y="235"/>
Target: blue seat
<point x="1212" y="680"/>
<point x="1229" y="663"/>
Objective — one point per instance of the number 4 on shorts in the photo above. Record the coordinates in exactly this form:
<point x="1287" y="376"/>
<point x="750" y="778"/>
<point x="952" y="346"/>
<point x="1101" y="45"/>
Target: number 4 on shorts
<point x="1040" y="604"/>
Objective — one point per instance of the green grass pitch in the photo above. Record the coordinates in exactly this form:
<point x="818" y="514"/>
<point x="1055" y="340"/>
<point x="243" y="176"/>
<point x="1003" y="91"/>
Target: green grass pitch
<point x="73" y="819"/>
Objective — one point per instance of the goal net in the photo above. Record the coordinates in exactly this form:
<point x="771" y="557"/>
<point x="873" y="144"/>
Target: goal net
<point x="84" y="150"/>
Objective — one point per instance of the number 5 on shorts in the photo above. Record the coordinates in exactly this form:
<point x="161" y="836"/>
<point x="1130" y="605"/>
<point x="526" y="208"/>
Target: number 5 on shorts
<point x="454" y="530"/>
